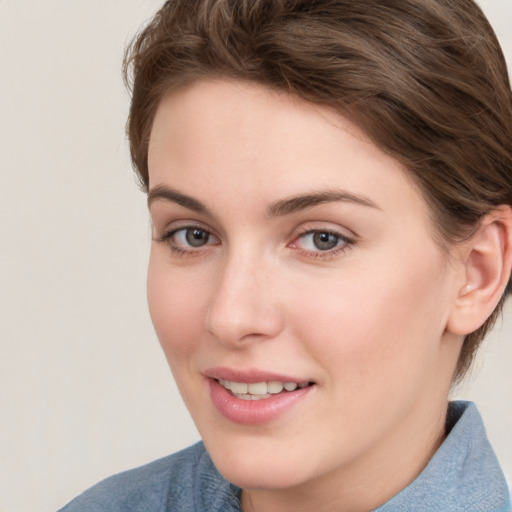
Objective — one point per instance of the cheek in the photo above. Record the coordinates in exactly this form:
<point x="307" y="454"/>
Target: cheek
<point x="175" y="308"/>
<point x="374" y="323"/>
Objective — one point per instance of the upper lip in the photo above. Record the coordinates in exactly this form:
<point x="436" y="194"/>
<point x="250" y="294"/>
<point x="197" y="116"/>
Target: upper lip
<point x="249" y="375"/>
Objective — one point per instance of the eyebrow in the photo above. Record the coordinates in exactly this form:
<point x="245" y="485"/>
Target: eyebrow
<point x="279" y="208"/>
<point x="305" y="201"/>
<point x="168" y="194"/>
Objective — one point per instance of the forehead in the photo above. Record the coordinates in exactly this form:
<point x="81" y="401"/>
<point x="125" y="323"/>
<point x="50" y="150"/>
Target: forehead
<point x="243" y="140"/>
<point x="250" y="111"/>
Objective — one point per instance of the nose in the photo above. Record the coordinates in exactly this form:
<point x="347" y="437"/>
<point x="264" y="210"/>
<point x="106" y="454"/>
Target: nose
<point x="244" y="306"/>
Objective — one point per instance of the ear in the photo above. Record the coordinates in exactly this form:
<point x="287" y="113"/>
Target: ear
<point x="487" y="263"/>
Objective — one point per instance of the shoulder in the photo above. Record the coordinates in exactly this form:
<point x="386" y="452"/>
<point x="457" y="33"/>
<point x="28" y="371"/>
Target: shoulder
<point x="180" y="482"/>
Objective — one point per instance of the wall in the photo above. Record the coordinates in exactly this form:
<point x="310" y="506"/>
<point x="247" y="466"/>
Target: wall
<point x="84" y="389"/>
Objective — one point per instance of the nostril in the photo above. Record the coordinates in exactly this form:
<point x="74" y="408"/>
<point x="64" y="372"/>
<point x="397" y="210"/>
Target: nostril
<point x="241" y="321"/>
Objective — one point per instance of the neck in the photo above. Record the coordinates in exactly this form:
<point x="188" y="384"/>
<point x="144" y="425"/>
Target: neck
<point x="366" y="483"/>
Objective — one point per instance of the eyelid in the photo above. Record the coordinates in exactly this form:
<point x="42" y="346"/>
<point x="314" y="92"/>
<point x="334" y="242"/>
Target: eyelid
<point x="331" y="231"/>
<point x="343" y="238"/>
<point x="326" y="227"/>
<point x="347" y="242"/>
<point x="163" y="227"/>
<point x="169" y="232"/>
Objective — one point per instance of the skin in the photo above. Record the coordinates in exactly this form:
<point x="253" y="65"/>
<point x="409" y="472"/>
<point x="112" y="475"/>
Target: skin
<point x="366" y="321"/>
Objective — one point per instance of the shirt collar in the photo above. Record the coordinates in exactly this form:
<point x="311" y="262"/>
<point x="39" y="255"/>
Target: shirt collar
<point x="464" y="473"/>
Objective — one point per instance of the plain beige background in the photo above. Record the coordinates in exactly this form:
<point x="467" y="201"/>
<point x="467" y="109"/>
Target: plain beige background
<point x="84" y="389"/>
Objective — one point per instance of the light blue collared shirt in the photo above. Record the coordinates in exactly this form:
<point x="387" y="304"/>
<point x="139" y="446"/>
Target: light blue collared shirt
<point x="463" y="476"/>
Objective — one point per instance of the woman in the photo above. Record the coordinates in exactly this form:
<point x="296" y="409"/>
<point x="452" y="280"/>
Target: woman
<point x="330" y="187"/>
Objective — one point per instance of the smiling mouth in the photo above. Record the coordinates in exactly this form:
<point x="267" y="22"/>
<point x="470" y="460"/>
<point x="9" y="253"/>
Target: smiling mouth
<point x="261" y="390"/>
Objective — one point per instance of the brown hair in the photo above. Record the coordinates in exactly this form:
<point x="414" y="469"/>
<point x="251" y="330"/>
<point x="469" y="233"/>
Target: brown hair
<point x="425" y="79"/>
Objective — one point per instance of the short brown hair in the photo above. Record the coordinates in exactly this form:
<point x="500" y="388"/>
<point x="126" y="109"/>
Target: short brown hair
<point x="425" y="79"/>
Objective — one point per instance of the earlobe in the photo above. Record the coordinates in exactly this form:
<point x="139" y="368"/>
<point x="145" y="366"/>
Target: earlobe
<point x="487" y="266"/>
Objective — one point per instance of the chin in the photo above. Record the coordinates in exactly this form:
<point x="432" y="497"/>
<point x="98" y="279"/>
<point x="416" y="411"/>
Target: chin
<point x="253" y="465"/>
<point x="270" y="476"/>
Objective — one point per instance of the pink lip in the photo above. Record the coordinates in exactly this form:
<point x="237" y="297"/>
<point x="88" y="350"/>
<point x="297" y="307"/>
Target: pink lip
<point x="248" y="376"/>
<point x="252" y="412"/>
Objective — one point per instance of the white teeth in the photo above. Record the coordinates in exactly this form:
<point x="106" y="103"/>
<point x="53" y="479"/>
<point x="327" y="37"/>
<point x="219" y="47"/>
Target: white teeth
<point x="225" y="383"/>
<point x="240" y="388"/>
<point x="256" y="390"/>
<point x="275" y="387"/>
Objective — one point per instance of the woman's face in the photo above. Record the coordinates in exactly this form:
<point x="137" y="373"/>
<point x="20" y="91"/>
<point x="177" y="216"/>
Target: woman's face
<point x="288" y="250"/>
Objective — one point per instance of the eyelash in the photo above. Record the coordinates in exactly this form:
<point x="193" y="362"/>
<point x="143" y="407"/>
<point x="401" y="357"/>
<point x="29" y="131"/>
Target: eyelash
<point x="167" y="238"/>
<point x="344" y="243"/>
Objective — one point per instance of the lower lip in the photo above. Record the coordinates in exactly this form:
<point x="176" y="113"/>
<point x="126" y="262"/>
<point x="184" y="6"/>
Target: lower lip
<point x="253" y="412"/>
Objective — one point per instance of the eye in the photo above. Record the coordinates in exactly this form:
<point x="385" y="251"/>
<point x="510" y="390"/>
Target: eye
<point x="187" y="239"/>
<point x="193" y="237"/>
<point x="318" y="241"/>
